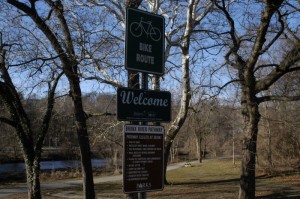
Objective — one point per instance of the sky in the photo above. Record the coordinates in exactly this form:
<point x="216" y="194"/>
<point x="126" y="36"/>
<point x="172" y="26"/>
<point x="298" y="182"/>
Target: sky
<point x="102" y="26"/>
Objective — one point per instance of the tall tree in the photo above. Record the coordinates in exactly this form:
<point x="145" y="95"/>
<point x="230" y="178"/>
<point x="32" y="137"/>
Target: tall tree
<point x="194" y="15"/>
<point x="201" y="122"/>
<point x="255" y="54"/>
<point x="31" y="142"/>
<point x="62" y="43"/>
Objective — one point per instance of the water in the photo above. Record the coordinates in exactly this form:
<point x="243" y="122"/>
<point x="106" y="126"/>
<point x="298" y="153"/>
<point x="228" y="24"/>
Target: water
<point x="52" y="165"/>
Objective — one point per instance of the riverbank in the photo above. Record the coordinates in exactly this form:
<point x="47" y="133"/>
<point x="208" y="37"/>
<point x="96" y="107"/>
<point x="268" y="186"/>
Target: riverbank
<point x="14" y="169"/>
<point x="50" y="175"/>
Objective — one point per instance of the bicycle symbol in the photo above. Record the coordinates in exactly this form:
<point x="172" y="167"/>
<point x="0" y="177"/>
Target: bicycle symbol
<point x="137" y="29"/>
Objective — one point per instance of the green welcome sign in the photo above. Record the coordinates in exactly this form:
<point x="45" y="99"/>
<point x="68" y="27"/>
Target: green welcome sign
<point x="143" y="105"/>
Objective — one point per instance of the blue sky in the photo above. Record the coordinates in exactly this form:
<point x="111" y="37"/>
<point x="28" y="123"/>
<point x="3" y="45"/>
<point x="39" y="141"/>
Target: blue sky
<point x="99" y="24"/>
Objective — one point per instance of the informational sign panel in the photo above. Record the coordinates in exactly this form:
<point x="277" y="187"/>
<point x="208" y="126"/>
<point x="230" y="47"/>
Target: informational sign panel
<point x="143" y="105"/>
<point x="144" y="42"/>
<point x="143" y="159"/>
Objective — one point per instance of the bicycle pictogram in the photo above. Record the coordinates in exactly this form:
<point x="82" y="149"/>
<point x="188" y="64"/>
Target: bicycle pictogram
<point x="138" y="28"/>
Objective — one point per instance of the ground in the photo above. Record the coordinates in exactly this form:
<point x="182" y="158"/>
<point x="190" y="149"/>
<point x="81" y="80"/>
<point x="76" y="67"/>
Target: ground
<point x="210" y="179"/>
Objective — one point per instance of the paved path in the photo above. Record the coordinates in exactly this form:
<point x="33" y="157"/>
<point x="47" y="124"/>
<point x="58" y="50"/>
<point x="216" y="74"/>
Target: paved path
<point x="21" y="188"/>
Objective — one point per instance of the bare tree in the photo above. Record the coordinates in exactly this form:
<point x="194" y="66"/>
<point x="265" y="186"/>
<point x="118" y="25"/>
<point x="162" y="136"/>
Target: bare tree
<point x="31" y="142"/>
<point x="251" y="41"/>
<point x="201" y="123"/>
<point x="194" y="16"/>
<point x="279" y="132"/>
<point x="61" y="42"/>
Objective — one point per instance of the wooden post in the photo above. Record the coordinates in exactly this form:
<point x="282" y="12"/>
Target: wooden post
<point x="143" y="195"/>
<point x="133" y="82"/>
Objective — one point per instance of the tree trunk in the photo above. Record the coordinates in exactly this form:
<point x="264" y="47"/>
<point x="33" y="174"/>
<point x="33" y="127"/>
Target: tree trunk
<point x="233" y="148"/>
<point x="269" y="142"/>
<point x="172" y="152"/>
<point x="251" y="119"/>
<point x="186" y="87"/>
<point x="115" y="161"/>
<point x="204" y="152"/>
<point x="199" y="150"/>
<point x="32" y="165"/>
<point x="180" y="118"/>
<point x="166" y="160"/>
<point x="83" y="138"/>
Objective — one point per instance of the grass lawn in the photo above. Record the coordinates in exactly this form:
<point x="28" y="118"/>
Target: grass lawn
<point x="210" y="179"/>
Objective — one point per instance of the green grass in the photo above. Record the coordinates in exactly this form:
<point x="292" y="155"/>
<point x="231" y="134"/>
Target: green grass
<point x="210" y="179"/>
<point x="208" y="171"/>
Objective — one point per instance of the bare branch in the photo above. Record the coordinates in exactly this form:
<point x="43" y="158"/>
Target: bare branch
<point x="100" y="114"/>
<point x="220" y="88"/>
<point x="286" y="66"/>
<point x="8" y="121"/>
<point x="43" y="59"/>
<point x="276" y="36"/>
<point x="234" y="37"/>
<point x="105" y="81"/>
<point x="265" y="66"/>
<point x="48" y="113"/>
<point x="31" y="12"/>
<point x="278" y="98"/>
<point x="267" y="14"/>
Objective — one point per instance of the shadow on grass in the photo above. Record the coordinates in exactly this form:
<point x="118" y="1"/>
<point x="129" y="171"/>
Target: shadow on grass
<point x="283" y="191"/>
<point x="279" y="195"/>
<point x="275" y="191"/>
<point x="6" y="178"/>
<point x="236" y="180"/>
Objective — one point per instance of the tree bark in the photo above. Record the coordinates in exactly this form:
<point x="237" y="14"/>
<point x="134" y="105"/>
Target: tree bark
<point x="200" y="146"/>
<point x="251" y="118"/>
<point x="269" y="141"/>
<point x="82" y="134"/>
<point x="181" y="116"/>
<point x="33" y="178"/>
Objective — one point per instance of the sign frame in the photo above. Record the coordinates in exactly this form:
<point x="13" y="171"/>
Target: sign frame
<point x="138" y="163"/>
<point x="144" y="42"/>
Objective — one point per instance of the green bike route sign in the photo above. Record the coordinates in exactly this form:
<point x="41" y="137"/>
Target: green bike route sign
<point x="144" y="42"/>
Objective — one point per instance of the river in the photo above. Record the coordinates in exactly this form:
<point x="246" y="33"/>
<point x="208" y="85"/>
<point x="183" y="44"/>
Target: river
<point x="52" y="165"/>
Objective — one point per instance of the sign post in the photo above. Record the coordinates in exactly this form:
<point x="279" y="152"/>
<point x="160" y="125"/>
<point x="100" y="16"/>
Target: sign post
<point x="143" y="158"/>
